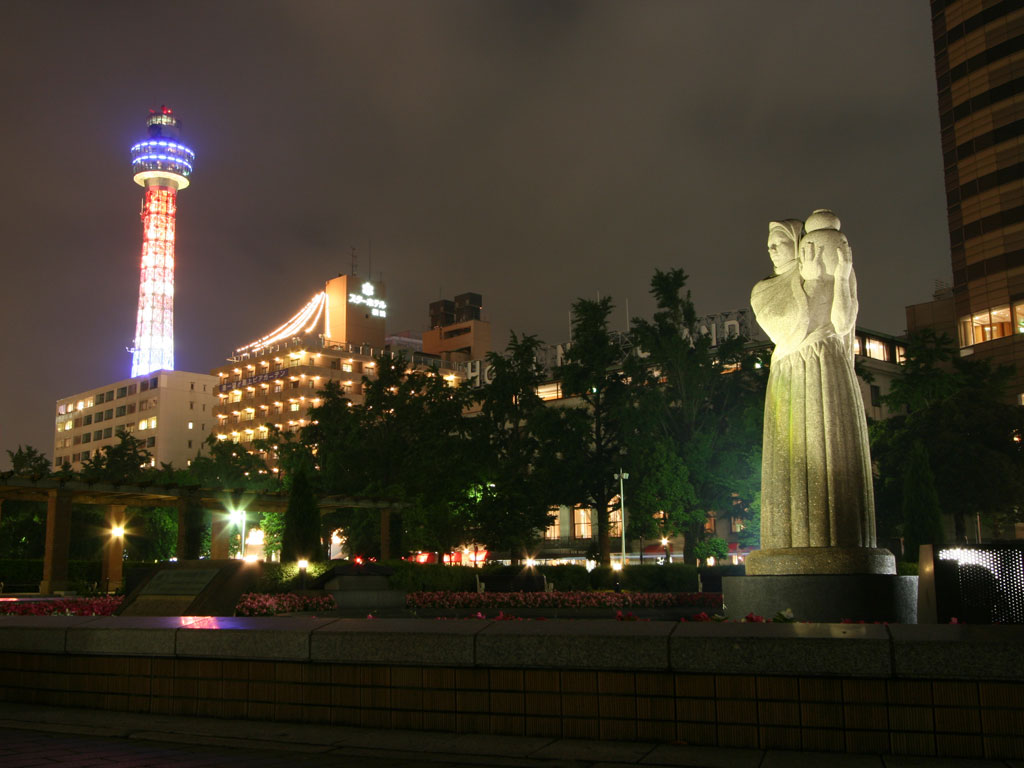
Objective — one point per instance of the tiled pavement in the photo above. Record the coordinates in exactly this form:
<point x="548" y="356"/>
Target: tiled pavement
<point x="51" y="736"/>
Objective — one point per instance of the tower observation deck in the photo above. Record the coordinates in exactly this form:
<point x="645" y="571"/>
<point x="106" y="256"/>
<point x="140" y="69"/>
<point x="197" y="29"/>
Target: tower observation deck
<point x="162" y="165"/>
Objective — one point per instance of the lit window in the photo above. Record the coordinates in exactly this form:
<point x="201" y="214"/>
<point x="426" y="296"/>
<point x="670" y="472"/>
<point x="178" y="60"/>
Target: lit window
<point x="877" y="349"/>
<point x="553" y="531"/>
<point x="581" y="526"/>
<point x="985" y="325"/>
<point x="293" y="406"/>
<point x="236" y="396"/>
<point x="190" y="425"/>
<point x="615" y="521"/>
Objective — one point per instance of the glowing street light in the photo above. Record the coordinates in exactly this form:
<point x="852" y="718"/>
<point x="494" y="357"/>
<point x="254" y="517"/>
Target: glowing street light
<point x="117" y="531"/>
<point x="668" y="557"/>
<point x="303" y="565"/>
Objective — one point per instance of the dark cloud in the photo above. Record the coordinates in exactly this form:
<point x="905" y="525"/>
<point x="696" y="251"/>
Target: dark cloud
<point x="533" y="152"/>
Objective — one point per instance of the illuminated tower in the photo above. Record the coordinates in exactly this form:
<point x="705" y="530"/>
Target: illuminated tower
<point x="162" y="165"/>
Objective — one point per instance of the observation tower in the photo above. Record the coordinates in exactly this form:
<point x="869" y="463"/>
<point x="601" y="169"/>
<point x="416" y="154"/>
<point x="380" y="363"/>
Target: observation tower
<point x="162" y="165"/>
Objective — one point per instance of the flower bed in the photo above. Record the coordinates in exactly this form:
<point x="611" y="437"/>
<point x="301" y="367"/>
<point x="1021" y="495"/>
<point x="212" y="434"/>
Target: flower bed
<point x="69" y="606"/>
<point x="478" y="601"/>
<point x="256" y="604"/>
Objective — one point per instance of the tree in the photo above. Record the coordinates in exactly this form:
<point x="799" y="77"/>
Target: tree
<point x="301" y="536"/>
<point x="513" y="498"/>
<point x="705" y="402"/>
<point x="956" y="408"/>
<point x="921" y="512"/>
<point x="28" y="463"/>
<point x="594" y="436"/>
<point x="122" y="463"/>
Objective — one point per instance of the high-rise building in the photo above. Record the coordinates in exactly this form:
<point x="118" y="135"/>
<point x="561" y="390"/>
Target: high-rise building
<point x="457" y="333"/>
<point x="979" y="65"/>
<point x="162" y="165"/>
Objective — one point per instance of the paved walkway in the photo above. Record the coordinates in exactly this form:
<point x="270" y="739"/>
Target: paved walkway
<point x="33" y="736"/>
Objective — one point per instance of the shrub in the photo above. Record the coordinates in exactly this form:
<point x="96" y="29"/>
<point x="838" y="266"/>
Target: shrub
<point x="677" y="577"/>
<point x="906" y="568"/>
<point x="285" y="577"/>
<point x="431" y="577"/>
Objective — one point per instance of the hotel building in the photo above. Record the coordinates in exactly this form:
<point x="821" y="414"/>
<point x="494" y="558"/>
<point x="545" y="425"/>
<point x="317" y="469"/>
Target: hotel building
<point x="979" y="66"/>
<point x="336" y="336"/>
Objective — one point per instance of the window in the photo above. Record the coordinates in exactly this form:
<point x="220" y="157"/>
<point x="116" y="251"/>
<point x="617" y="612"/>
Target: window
<point x="347" y="367"/>
<point x="191" y="405"/>
<point x="986" y="325"/>
<point x="153" y="382"/>
<point x="97" y="435"/>
<point x="876" y="396"/>
<point x="108" y="432"/>
<point x="294" y="406"/>
<point x="190" y="425"/>
<point x="121" y="410"/>
<point x="99" y="417"/>
<point x="736" y="524"/>
<point x="108" y="414"/>
<point x="151" y="442"/>
<point x="86" y="420"/>
<point x="877" y="349"/>
<point x="110" y="396"/>
<point x="189" y="443"/>
<point x="278" y="386"/>
<point x="615" y="522"/>
<point x="131" y="407"/>
<point x="581" y="528"/>
<point x="76" y="440"/>
<point x="131" y="389"/>
<point x="143" y="386"/>
<point x="554" y="531"/>
<point x="236" y="396"/>
<point x="295" y="384"/>
<point x="122" y="392"/>
<point x="99" y="398"/>
<point x="192" y="388"/>
<point x="86" y="438"/>
<point x="710" y="525"/>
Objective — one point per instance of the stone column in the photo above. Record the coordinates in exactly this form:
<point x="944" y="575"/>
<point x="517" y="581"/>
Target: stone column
<point x="220" y="531"/>
<point x="112" y="572"/>
<point x="58" y="540"/>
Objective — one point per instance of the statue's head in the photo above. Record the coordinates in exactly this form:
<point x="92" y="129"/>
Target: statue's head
<point x="783" y="237"/>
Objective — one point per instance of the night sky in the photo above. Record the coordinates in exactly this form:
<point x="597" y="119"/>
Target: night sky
<point x="533" y="152"/>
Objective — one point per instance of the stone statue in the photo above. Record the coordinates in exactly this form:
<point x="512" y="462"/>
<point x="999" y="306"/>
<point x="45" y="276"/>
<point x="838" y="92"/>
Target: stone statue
<point x="817" y="504"/>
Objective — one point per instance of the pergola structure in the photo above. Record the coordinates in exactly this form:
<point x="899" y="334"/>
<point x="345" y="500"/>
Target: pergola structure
<point x="59" y="495"/>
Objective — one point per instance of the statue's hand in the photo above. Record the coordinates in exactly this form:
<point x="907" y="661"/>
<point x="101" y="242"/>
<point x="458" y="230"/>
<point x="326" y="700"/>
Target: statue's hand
<point x="844" y="262"/>
<point x="810" y="261"/>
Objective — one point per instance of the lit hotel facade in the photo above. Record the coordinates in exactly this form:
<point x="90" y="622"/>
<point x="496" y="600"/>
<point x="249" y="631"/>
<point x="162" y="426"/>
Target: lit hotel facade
<point x="979" y="65"/>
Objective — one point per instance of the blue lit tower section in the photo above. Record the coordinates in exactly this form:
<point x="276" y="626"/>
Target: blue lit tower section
<point x="162" y="165"/>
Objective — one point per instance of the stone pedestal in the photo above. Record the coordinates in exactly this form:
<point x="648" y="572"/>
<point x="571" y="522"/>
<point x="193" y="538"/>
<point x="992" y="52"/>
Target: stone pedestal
<point x="829" y="597"/>
<point x="820" y="560"/>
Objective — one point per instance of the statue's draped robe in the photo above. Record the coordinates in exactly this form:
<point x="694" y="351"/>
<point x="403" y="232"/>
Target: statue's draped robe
<point x="816" y="469"/>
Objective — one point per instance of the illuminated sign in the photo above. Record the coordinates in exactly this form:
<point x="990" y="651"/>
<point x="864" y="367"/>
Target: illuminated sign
<point x="377" y="307"/>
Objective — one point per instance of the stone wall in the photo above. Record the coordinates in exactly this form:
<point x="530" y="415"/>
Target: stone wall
<point x="918" y="690"/>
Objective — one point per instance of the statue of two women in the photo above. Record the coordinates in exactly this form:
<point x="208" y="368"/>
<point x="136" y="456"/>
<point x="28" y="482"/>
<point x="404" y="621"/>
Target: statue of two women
<point x="817" y="504"/>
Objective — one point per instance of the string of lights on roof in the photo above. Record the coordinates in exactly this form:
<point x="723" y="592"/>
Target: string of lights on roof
<point x="304" y="321"/>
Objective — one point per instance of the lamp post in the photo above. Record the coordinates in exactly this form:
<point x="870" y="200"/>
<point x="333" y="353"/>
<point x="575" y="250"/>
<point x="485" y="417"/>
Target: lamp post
<point x="668" y="557"/>
<point x="622" y="477"/>
<point x="303" y="565"/>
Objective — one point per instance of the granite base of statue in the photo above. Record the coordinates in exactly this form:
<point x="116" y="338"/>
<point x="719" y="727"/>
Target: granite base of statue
<point x="363" y="589"/>
<point x="192" y="588"/>
<point x="818" y="555"/>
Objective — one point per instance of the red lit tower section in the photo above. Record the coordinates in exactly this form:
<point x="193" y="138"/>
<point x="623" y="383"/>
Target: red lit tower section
<point x="162" y="165"/>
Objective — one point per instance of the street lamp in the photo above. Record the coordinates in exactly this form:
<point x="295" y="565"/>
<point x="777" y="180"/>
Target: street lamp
<point x="238" y="518"/>
<point x="303" y="565"/>
<point x="668" y="557"/>
<point x="621" y="477"/>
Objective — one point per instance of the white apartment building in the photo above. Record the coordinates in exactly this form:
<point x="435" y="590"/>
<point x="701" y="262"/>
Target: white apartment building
<point x="171" y="412"/>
